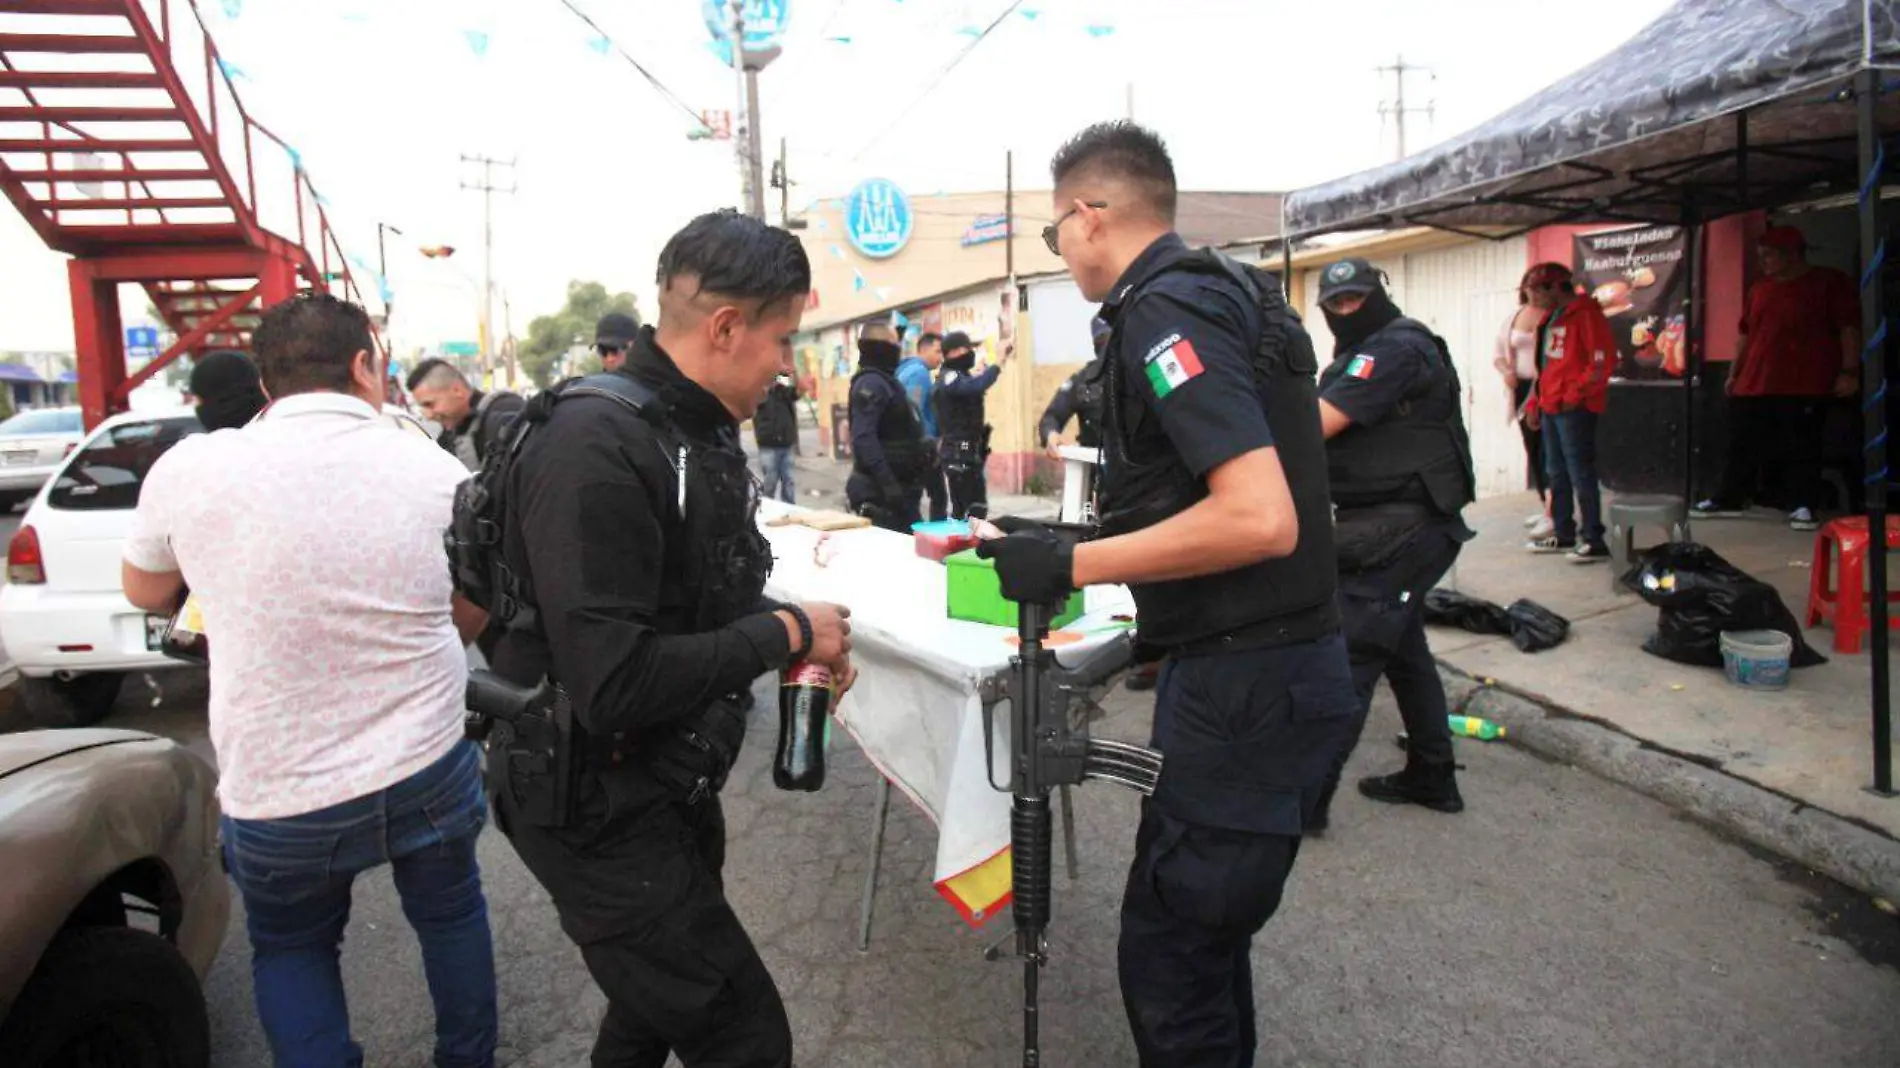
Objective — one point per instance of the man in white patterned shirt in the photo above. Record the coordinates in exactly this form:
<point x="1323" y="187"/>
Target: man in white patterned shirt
<point x="312" y="539"/>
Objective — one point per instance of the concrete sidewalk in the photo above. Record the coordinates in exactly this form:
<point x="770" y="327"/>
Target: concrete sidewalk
<point x="1759" y="763"/>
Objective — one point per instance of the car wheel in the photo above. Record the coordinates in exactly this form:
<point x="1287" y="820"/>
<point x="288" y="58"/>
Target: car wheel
<point x="108" y="996"/>
<point x="79" y="701"/>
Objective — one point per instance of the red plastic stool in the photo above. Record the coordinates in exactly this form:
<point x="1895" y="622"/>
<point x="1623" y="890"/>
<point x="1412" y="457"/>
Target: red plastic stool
<point x="1845" y="605"/>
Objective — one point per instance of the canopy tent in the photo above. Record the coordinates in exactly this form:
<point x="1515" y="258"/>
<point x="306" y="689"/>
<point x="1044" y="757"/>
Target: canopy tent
<point x="1717" y="107"/>
<point x="1723" y="105"/>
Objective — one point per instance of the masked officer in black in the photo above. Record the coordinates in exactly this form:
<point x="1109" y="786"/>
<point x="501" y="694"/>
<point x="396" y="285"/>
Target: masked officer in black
<point x="1214" y="511"/>
<point x="966" y="436"/>
<point x="1079" y="398"/>
<point x="889" y="458"/>
<point x="1400" y="466"/>
<point x="634" y="535"/>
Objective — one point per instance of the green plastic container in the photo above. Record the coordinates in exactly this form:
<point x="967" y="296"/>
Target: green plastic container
<point x="974" y="595"/>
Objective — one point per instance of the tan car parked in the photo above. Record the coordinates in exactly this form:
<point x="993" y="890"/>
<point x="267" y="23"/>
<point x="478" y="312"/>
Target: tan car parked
<point x="113" y="902"/>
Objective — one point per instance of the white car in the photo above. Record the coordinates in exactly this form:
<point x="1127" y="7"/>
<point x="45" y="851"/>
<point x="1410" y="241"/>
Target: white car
<point x="64" y="618"/>
<point x="63" y="614"/>
<point x="32" y="446"/>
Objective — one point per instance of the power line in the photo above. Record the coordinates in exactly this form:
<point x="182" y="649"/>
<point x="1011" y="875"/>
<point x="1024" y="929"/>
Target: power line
<point x="934" y="82"/>
<point x="644" y="73"/>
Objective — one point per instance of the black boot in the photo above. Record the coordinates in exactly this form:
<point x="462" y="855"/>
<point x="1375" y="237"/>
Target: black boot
<point x="1433" y="785"/>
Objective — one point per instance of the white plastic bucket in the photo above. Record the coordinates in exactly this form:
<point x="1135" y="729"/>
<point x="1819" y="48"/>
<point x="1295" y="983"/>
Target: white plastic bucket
<point x="1757" y="659"/>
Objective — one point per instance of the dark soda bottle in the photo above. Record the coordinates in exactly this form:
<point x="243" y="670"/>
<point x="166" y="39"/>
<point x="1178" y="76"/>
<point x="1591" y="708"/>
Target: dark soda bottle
<point x="804" y="700"/>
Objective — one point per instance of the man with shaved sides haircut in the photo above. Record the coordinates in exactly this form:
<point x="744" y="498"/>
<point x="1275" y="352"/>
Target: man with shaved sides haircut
<point x="471" y="420"/>
<point x="1214" y="511"/>
<point x="629" y="522"/>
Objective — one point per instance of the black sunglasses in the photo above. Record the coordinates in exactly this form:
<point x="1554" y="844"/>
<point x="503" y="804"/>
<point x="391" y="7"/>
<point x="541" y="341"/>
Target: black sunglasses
<point x="1052" y="232"/>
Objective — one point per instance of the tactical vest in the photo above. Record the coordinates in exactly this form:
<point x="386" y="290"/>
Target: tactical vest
<point x="1090" y="391"/>
<point x="959" y="418"/>
<point x="1419" y="453"/>
<point x="1288" y="599"/>
<point x="898" y="429"/>
<point x="717" y="559"/>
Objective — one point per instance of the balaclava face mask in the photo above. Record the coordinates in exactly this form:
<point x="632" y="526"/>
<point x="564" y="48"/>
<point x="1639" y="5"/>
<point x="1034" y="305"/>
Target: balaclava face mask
<point x="878" y="355"/>
<point x="1349" y="331"/>
<point x="964" y="363"/>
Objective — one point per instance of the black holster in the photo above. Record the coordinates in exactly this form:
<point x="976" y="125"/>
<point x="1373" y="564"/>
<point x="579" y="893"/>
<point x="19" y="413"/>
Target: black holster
<point x="532" y="744"/>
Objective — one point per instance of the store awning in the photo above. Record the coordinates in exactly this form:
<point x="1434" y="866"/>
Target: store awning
<point x="16" y="372"/>
<point x="1718" y="106"/>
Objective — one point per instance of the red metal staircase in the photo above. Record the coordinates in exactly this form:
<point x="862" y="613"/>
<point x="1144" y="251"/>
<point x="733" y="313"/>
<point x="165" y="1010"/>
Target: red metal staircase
<point x="124" y="143"/>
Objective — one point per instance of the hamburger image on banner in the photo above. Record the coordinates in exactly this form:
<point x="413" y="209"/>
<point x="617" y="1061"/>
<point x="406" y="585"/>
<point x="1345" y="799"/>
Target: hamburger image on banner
<point x="1637" y="275"/>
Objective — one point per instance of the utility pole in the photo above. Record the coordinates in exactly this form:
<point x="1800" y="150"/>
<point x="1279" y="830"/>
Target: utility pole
<point x="1396" y="108"/>
<point x="488" y="190"/>
<point x="1131" y="101"/>
<point x="1009" y="216"/>
<point x="747" y="139"/>
<point x="783" y="180"/>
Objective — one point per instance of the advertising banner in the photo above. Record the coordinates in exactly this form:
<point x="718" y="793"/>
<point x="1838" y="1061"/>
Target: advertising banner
<point x="1640" y="276"/>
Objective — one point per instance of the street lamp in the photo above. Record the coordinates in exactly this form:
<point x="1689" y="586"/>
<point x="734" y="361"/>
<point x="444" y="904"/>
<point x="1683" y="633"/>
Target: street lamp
<point x="382" y="269"/>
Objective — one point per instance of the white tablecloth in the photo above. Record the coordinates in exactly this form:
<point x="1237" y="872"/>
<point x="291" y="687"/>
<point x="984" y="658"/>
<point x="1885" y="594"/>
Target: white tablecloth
<point x="915" y="710"/>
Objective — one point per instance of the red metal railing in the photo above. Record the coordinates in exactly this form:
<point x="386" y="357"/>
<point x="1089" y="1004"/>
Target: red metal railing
<point x="285" y="202"/>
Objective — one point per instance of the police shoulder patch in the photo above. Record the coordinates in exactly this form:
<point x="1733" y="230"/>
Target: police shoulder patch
<point x="949" y="377"/>
<point x="1360" y="367"/>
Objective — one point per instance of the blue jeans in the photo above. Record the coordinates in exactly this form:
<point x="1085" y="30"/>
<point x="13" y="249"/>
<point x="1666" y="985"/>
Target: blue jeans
<point x="295" y="874"/>
<point x="775" y="467"/>
<point x="1570" y="459"/>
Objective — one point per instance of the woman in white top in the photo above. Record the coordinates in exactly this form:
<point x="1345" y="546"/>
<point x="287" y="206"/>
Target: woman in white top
<point x="1517" y="362"/>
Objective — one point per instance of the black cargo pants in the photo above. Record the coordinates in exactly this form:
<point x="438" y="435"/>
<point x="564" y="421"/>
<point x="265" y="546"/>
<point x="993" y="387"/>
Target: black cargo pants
<point x="638" y="888"/>
<point x="1247" y="739"/>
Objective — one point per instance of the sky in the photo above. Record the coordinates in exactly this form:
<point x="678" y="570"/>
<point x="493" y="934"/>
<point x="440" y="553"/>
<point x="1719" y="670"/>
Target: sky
<point x="382" y="98"/>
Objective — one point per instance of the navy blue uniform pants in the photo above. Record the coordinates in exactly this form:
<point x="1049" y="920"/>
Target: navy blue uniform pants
<point x="1247" y="739"/>
<point x="1384" y="616"/>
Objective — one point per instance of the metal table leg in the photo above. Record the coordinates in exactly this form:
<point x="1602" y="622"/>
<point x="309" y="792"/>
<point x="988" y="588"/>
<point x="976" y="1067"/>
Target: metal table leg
<point x="880" y="815"/>
<point x="1068" y="831"/>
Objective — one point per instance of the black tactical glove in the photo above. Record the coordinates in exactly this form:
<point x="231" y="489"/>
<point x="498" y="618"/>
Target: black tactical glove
<point x="893" y="492"/>
<point x="1033" y="566"/>
<point x="694" y="755"/>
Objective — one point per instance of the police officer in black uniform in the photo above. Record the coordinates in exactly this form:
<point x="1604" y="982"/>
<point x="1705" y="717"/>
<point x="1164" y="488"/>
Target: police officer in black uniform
<point x="1400" y="466"/>
<point x="1214" y="511"/>
<point x="889" y="457"/>
<point x="1079" y="398"/>
<point x="960" y="419"/>
<point x="633" y="536"/>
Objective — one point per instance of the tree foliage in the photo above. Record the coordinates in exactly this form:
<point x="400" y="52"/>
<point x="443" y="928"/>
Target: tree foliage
<point x="550" y="336"/>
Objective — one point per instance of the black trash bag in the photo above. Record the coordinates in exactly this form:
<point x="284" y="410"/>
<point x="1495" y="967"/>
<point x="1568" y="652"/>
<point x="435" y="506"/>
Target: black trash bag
<point x="1535" y="628"/>
<point x="1701" y="595"/>
<point x="1446" y="608"/>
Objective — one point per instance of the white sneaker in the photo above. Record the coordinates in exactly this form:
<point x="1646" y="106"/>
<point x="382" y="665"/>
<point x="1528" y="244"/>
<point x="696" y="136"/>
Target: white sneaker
<point x="1543" y="528"/>
<point x="1803" y="519"/>
<point x="1549" y="545"/>
<point x="1533" y="520"/>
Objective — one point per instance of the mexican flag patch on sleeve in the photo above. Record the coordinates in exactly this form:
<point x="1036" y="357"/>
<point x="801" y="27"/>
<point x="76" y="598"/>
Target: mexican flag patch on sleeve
<point x="1360" y="367"/>
<point x="1171" y="363"/>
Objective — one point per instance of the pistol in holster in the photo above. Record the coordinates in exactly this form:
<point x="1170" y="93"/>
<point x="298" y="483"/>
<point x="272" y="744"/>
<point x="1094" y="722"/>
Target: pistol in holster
<point x="532" y="744"/>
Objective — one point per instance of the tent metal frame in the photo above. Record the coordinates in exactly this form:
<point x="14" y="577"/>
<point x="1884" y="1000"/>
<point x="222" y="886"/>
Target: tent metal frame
<point x="1694" y="202"/>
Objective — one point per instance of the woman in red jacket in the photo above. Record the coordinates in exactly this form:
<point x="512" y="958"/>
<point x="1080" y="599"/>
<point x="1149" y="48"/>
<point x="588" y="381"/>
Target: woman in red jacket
<point x="1576" y="353"/>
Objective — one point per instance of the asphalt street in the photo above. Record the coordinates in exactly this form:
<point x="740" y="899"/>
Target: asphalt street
<point x="1560" y="921"/>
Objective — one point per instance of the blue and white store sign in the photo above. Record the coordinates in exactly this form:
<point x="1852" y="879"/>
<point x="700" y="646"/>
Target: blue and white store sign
<point x="877" y="218"/>
<point x="764" y="25"/>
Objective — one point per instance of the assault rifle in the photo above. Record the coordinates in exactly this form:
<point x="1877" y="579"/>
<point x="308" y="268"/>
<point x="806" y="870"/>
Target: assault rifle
<point x="1050" y="748"/>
